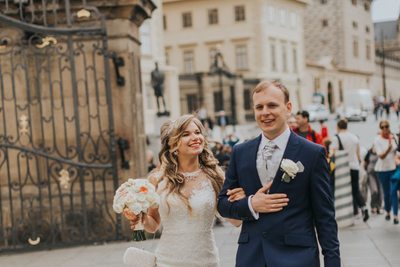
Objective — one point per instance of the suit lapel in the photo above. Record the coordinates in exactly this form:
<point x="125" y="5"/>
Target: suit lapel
<point x="289" y="153"/>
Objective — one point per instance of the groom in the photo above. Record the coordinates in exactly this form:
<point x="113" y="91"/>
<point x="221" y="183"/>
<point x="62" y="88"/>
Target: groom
<point x="281" y="218"/>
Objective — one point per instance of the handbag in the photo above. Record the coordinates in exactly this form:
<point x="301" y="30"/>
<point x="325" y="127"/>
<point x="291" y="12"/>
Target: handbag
<point x="396" y="174"/>
<point x="136" y="257"/>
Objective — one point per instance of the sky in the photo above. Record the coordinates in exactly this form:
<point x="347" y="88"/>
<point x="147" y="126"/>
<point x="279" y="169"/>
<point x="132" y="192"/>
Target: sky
<point x="384" y="10"/>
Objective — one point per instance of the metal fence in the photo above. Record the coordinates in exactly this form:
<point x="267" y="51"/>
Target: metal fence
<point x="57" y="145"/>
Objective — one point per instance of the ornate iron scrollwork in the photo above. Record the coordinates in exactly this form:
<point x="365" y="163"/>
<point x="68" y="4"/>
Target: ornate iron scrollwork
<point x="64" y="179"/>
<point x="23" y="122"/>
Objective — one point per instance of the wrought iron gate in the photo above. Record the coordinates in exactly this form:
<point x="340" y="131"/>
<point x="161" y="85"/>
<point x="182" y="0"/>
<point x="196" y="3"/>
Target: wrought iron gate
<point x="57" y="147"/>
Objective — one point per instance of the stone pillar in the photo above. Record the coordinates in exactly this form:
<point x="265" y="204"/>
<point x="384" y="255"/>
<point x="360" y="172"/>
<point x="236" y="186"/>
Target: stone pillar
<point x="123" y="21"/>
<point x="208" y="100"/>
<point x="172" y="91"/>
<point x="240" y="112"/>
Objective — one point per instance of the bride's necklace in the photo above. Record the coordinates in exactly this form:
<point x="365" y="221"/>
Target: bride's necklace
<point x="191" y="175"/>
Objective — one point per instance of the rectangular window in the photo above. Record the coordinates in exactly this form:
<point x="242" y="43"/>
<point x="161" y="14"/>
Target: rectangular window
<point x="241" y="57"/>
<point x="324" y="2"/>
<point x="271" y="14"/>
<point x="368" y="50"/>
<point x="355" y="48"/>
<point x="192" y="102"/>
<point x="354" y="2"/>
<point x="355" y="25"/>
<point x="295" y="68"/>
<point x="187" y="19"/>
<point x="240" y="13"/>
<point x="282" y="17"/>
<point x="218" y="101"/>
<point x="165" y="22"/>
<point x="324" y="23"/>
<point x="213" y="16"/>
<point x="212" y="52"/>
<point x="293" y="20"/>
<point x="284" y="57"/>
<point x="273" y="57"/>
<point x="188" y="61"/>
<point x="247" y="99"/>
<point x="316" y="84"/>
<point x="167" y="59"/>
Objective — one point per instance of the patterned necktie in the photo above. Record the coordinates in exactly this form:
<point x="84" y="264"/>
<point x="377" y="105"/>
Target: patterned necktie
<point x="268" y="149"/>
<point x="267" y="152"/>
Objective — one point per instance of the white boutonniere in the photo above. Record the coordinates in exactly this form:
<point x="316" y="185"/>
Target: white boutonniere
<point x="290" y="169"/>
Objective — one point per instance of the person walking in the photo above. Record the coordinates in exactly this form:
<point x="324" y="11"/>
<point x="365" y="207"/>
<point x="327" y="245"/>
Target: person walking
<point x="385" y="146"/>
<point x="304" y="128"/>
<point x="374" y="185"/>
<point x="288" y="197"/>
<point x="345" y="140"/>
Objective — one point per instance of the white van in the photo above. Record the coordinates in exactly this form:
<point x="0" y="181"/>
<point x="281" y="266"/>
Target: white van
<point x="359" y="98"/>
<point x="357" y="103"/>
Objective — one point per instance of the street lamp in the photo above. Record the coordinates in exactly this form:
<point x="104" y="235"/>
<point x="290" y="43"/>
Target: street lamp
<point x="383" y="65"/>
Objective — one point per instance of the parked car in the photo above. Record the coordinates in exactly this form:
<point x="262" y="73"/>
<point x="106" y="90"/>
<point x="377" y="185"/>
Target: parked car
<point x="317" y="112"/>
<point x="351" y="113"/>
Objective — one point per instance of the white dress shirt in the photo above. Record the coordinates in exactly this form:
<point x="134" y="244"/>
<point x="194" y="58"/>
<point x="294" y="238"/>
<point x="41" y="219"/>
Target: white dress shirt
<point x="269" y="168"/>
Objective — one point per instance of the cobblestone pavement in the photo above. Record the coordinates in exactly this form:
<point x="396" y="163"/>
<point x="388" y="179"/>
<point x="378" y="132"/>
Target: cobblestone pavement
<point x="372" y="244"/>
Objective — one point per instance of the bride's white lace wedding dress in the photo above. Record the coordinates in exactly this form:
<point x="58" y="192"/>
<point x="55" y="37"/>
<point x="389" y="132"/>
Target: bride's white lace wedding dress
<point x="187" y="239"/>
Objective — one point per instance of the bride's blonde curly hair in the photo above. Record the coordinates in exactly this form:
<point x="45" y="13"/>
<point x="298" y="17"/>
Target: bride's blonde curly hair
<point x="171" y="134"/>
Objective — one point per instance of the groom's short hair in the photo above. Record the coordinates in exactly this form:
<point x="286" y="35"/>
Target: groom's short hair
<point x="267" y="84"/>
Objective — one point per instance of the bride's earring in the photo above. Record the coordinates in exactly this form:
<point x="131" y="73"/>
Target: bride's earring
<point x="175" y="153"/>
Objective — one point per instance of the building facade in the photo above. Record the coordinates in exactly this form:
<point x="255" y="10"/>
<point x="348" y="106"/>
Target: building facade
<point x="339" y="47"/>
<point x="387" y="43"/>
<point x="223" y="48"/>
<point x="387" y="36"/>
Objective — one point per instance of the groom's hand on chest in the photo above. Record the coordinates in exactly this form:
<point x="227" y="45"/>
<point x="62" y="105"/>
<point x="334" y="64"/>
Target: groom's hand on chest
<point x="263" y="202"/>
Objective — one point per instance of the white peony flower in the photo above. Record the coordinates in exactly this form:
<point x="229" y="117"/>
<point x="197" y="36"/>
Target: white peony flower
<point x="137" y="195"/>
<point x="290" y="169"/>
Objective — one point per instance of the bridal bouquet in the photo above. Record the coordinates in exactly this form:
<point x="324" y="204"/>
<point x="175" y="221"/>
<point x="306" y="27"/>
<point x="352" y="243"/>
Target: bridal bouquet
<point x="137" y="195"/>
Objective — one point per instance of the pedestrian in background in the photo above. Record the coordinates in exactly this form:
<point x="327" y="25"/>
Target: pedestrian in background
<point x="324" y="130"/>
<point x="385" y="147"/>
<point x="374" y="185"/>
<point x="304" y="128"/>
<point x="231" y="140"/>
<point x="345" y="140"/>
<point x="292" y="122"/>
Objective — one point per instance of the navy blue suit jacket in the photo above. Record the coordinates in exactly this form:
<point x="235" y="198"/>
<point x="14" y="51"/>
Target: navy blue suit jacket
<point x="286" y="238"/>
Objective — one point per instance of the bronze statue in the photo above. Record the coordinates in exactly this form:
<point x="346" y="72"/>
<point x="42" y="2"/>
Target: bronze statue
<point x="157" y="82"/>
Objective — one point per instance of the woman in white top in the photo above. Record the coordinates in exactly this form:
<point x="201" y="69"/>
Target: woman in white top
<point x="385" y="147"/>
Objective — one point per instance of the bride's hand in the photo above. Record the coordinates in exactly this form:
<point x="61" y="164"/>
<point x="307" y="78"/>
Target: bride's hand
<point x="132" y="217"/>
<point x="235" y="194"/>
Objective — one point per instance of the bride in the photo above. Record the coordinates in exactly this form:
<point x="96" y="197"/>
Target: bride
<point x="188" y="182"/>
